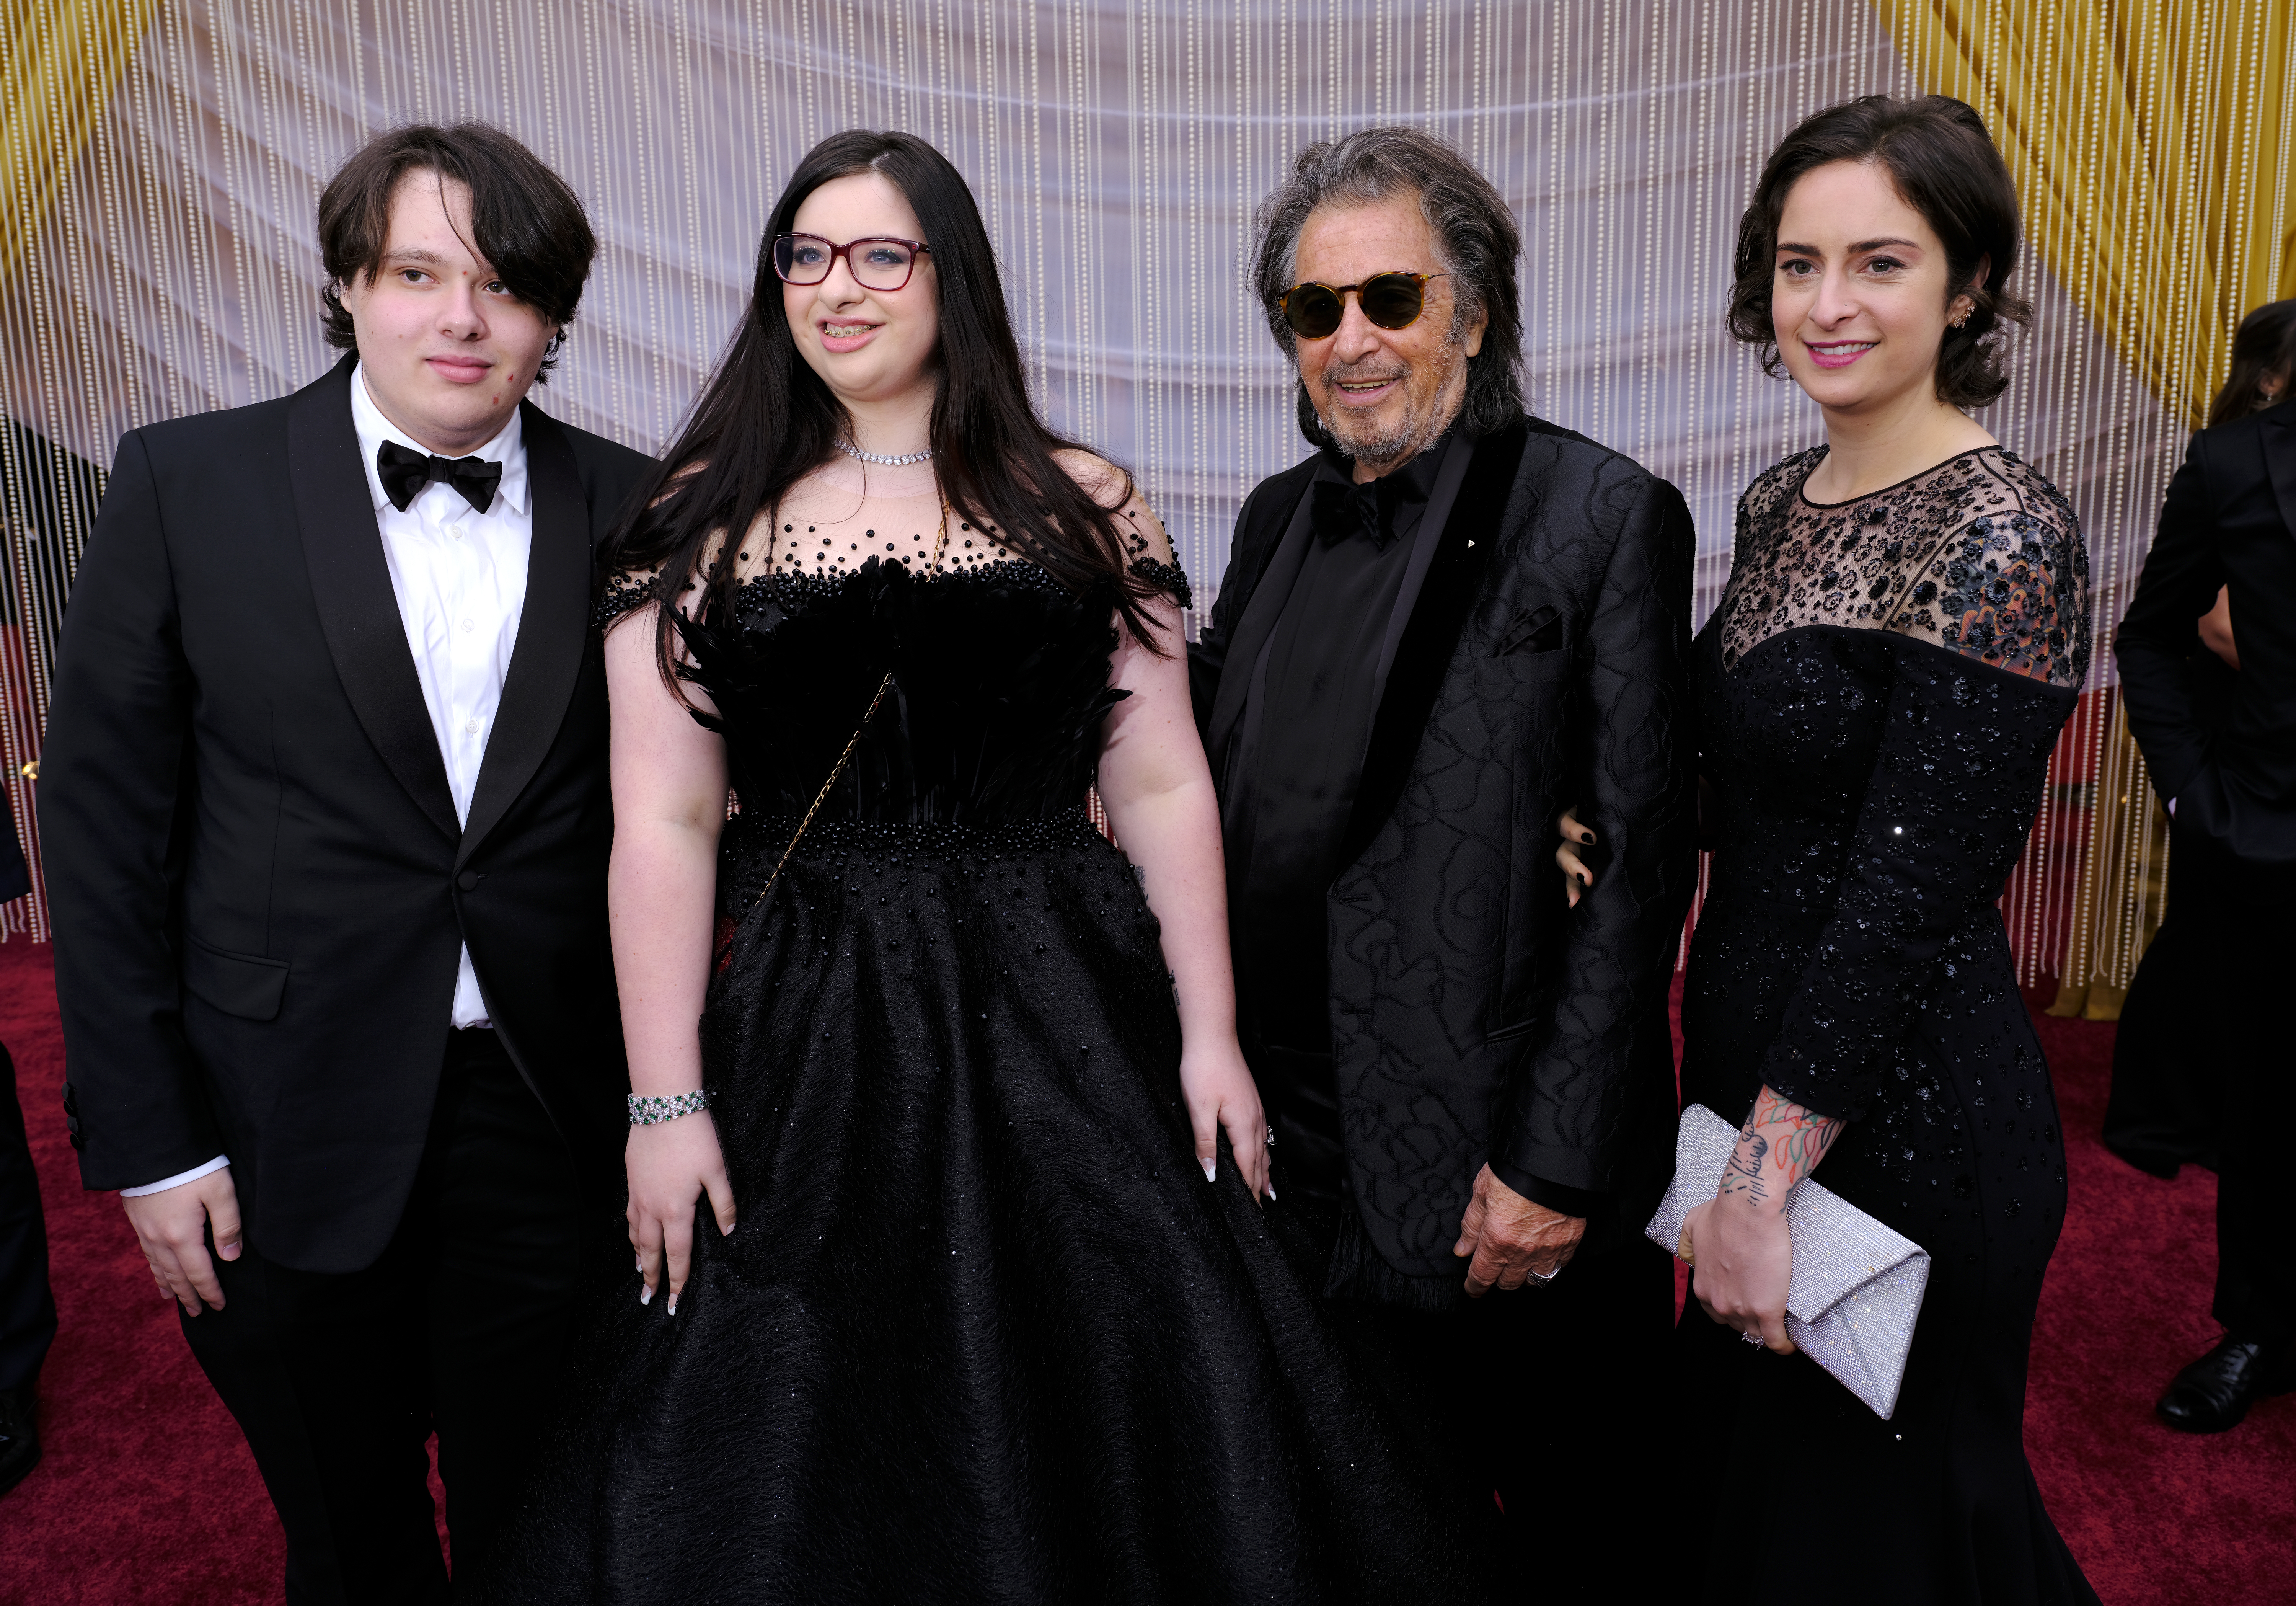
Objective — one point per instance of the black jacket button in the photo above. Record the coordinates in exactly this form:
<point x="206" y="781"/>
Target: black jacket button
<point x="468" y="880"/>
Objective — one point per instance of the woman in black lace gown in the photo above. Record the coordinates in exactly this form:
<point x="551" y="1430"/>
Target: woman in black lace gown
<point x="1903" y="631"/>
<point x="1001" y="1316"/>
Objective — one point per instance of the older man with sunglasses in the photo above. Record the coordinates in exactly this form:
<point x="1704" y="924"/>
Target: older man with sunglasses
<point x="1451" y="622"/>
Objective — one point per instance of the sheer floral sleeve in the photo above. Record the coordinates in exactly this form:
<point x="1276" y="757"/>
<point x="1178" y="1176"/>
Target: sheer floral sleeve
<point x="1981" y="555"/>
<point x="2007" y="580"/>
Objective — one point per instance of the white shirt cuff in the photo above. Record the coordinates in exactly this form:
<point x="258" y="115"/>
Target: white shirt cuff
<point x="179" y="1179"/>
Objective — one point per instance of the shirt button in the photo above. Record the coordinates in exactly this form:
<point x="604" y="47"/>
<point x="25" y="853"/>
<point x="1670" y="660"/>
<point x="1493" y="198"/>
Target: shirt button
<point x="455" y="530"/>
<point x="471" y="727"/>
<point x="468" y="625"/>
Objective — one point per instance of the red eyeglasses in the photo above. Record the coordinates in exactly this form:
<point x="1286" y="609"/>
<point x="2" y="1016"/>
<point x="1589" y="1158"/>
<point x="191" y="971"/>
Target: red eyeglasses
<point x="878" y="262"/>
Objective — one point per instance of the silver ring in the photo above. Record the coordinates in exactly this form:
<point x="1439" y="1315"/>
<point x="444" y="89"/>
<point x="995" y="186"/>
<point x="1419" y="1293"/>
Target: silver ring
<point x="1550" y="1277"/>
<point x="1751" y="1337"/>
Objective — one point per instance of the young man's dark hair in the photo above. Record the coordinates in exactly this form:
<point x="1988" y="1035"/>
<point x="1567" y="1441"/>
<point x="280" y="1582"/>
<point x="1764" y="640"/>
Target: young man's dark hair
<point x="529" y="223"/>
<point x="1945" y="167"/>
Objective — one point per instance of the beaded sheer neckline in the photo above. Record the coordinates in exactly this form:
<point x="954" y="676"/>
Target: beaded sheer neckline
<point x="811" y="554"/>
<point x="1979" y="555"/>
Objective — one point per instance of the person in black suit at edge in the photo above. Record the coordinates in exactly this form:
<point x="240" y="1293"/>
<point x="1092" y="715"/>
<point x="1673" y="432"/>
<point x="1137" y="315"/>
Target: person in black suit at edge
<point x="2228" y="523"/>
<point x="325" y="817"/>
<point x="1451" y="620"/>
<point x="28" y="1305"/>
<point x="2167" y="1076"/>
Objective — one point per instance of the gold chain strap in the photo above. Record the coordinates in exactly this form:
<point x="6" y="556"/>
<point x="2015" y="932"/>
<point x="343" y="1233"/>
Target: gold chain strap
<point x="940" y="544"/>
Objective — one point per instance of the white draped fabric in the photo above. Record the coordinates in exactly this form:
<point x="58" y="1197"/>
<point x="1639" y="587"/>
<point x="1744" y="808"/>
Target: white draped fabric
<point x="1118" y="151"/>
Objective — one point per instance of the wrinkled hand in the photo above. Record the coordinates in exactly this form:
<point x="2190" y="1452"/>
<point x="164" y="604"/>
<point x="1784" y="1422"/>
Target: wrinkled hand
<point x="1220" y="1093"/>
<point x="671" y="1164"/>
<point x="1578" y="878"/>
<point x="172" y="1227"/>
<point x="1743" y="1255"/>
<point x="1506" y="1237"/>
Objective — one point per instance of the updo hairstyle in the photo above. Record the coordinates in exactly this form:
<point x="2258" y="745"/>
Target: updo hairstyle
<point x="1944" y="165"/>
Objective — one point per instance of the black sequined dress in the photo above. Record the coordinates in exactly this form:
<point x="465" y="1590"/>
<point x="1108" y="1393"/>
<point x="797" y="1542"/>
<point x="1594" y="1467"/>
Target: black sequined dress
<point x="983" y="1329"/>
<point x="1877" y="696"/>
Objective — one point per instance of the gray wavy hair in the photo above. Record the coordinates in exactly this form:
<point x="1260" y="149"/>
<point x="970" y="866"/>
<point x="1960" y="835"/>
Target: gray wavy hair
<point x="1475" y="239"/>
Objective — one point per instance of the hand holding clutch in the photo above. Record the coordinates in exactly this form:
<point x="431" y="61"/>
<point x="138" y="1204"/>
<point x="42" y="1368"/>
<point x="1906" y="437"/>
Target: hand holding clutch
<point x="1744" y="1260"/>
<point x="1856" y="1284"/>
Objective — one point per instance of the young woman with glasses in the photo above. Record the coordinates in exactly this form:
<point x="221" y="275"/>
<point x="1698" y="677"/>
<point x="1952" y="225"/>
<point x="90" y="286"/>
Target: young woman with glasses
<point x="953" y="1277"/>
<point x="1902" y="634"/>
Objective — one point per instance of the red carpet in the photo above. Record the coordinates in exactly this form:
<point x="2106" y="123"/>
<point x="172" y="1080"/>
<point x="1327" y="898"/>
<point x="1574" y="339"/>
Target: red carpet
<point x="148" y="1495"/>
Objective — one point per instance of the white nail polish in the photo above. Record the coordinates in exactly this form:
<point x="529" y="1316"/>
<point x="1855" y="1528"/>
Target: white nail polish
<point x="673" y="1305"/>
<point x="1271" y="1191"/>
<point x="645" y="1295"/>
<point x="1211" y="1172"/>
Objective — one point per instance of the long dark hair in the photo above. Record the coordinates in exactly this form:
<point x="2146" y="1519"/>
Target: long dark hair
<point x="2264" y="343"/>
<point x="1945" y="167"/>
<point x="765" y="419"/>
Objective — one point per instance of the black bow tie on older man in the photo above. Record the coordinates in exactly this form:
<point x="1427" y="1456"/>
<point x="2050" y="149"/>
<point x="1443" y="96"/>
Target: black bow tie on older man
<point x="1350" y="509"/>
<point x="405" y="472"/>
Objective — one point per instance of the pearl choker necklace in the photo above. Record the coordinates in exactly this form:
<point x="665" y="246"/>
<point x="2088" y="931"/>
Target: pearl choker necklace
<point x="858" y="455"/>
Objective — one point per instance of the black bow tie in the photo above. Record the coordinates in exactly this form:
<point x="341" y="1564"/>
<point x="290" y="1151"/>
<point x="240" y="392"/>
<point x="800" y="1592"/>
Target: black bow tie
<point x="1348" y="509"/>
<point x="405" y="472"/>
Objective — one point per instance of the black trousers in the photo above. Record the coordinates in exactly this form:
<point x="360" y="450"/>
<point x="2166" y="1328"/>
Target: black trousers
<point x="339" y="1380"/>
<point x="2250" y="953"/>
<point x="28" y="1309"/>
<point x="1552" y="1402"/>
<point x="2167" y="1107"/>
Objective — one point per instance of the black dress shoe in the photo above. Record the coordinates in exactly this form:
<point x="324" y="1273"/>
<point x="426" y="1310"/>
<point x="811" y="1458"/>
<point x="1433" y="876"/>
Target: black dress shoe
<point x="19" y="1445"/>
<point x="2215" y="1392"/>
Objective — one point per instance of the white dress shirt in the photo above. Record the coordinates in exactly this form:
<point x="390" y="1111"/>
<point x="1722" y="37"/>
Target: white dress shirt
<point x="460" y="578"/>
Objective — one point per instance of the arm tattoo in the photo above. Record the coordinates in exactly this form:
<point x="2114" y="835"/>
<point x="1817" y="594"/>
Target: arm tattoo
<point x="1744" y="1174"/>
<point x="1780" y="1144"/>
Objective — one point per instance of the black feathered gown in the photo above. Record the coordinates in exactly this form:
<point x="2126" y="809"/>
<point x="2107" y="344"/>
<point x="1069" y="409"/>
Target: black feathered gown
<point x="983" y="1330"/>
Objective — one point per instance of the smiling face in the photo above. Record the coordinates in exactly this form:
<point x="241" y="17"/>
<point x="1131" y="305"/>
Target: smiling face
<point x="1858" y="304"/>
<point x="869" y="346"/>
<point x="1385" y="394"/>
<point x="447" y="352"/>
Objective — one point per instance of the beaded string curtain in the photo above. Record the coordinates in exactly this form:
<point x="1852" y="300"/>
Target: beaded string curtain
<point x="1117" y="149"/>
<point x="2151" y="142"/>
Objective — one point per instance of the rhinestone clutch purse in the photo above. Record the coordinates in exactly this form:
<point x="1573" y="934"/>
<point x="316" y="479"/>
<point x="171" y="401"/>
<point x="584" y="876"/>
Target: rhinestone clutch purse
<point x="1857" y="1285"/>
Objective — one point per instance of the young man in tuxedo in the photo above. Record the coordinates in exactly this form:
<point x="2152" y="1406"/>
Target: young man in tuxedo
<point x="2229" y="523"/>
<point x="325" y="818"/>
<point x="1432" y="635"/>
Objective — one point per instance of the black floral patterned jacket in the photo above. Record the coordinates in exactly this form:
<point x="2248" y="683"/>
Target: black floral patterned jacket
<point x="1475" y="1017"/>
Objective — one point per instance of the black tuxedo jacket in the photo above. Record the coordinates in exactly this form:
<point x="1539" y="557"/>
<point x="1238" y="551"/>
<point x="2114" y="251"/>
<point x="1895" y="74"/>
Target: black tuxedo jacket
<point x="258" y="887"/>
<point x="1475" y="1017"/>
<point x="2229" y="519"/>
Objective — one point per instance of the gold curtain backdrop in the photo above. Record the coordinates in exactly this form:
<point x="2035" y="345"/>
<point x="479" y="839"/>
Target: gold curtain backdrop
<point x="160" y="258"/>
<point x="2152" y="146"/>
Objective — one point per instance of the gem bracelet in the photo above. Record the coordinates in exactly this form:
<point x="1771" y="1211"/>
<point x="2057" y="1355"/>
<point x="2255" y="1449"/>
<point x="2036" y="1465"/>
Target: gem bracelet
<point x="652" y="1112"/>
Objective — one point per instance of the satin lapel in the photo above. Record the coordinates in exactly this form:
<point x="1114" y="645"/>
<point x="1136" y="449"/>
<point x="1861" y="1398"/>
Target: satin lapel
<point x="358" y="612"/>
<point x="1268" y="596"/>
<point x="552" y="628"/>
<point x="1456" y="455"/>
<point x="1455" y="575"/>
<point x="2280" y="459"/>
